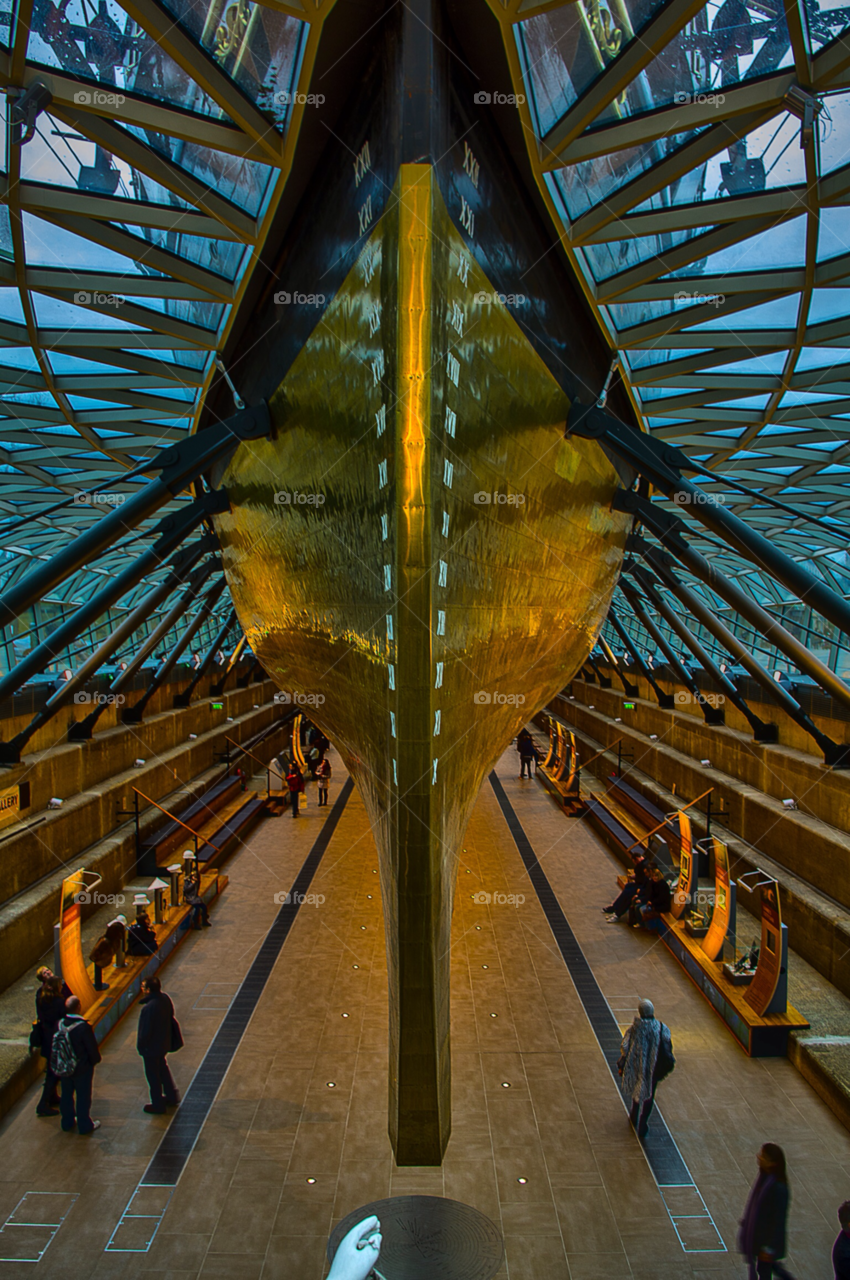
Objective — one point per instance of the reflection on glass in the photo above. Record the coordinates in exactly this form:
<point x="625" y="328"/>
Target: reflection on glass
<point x="825" y="21"/>
<point x="563" y="52"/>
<point x="834" y="133"/>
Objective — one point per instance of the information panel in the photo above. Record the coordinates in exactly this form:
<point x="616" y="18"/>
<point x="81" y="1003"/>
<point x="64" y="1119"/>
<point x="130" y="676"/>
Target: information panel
<point x="763" y="986"/>
<point x="74" y="970"/>
<point x="687" y="869"/>
<point x="723" y="915"/>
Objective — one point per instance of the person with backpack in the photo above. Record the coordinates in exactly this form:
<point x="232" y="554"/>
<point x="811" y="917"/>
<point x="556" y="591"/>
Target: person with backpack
<point x="324" y="773"/>
<point x="158" y="1035"/>
<point x="73" y="1058"/>
<point x="646" y="1057"/>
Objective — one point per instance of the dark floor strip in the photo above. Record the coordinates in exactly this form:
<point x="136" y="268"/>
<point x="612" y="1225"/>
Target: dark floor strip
<point x="668" y="1167"/>
<point x="174" y="1150"/>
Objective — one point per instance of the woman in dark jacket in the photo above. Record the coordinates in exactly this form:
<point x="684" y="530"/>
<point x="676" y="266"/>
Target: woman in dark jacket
<point x="761" y="1238"/>
<point x="49" y="1008"/>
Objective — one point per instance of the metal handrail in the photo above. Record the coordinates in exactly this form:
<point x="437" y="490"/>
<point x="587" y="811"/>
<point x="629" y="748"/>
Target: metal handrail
<point x="172" y="816"/>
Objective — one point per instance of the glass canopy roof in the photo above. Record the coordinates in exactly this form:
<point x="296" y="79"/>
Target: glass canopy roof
<point x="696" y="159"/>
<point x="133" y="215"/>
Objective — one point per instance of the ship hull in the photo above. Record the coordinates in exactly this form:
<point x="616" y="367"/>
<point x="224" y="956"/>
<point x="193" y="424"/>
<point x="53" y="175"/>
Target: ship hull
<point x="423" y="560"/>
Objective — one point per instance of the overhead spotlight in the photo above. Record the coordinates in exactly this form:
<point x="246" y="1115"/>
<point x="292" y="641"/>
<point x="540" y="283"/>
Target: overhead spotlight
<point x="790" y="804"/>
<point x="27" y="106"/>
<point x="705" y="763"/>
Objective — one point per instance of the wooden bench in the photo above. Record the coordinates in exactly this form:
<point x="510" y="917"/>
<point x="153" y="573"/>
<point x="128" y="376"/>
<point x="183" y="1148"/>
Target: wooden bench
<point x="236" y="825"/>
<point x="759" y="1037"/>
<point x="161" y="843"/>
<point x="647" y="813"/>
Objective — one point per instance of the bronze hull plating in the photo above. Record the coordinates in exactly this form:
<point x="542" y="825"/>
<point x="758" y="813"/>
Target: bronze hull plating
<point x="432" y="623"/>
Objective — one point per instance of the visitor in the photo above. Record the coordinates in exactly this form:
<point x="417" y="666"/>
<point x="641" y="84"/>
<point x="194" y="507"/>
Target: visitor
<point x="101" y="955"/>
<point x="638" y="878"/>
<point x="74" y="1056"/>
<point x="158" y="1035"/>
<point x="646" y="1057"/>
<point x="652" y="900"/>
<point x="116" y="934"/>
<point x="200" y="914"/>
<point x="295" y="783"/>
<point x="49" y="1010"/>
<point x="526" y="749"/>
<point x="841" y="1248"/>
<point x="324" y="774"/>
<point x="141" y="938"/>
<point x="761" y="1238"/>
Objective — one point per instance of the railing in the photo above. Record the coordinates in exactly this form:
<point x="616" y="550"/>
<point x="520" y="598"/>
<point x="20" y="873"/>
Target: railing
<point x="256" y="760"/>
<point x="173" y="818"/>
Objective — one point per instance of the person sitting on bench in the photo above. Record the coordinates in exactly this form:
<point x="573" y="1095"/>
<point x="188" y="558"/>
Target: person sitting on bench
<point x="141" y="939"/>
<point x="637" y="880"/>
<point x="652" y="902"/>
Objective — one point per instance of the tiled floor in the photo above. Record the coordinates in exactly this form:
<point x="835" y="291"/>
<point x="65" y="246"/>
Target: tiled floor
<point x="589" y="1208"/>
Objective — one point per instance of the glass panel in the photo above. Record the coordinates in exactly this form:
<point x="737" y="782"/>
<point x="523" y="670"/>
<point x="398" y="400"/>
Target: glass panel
<point x="744" y="402"/>
<point x="243" y="182"/>
<point x="829" y="304"/>
<point x="258" y="48"/>
<point x="564" y="52"/>
<point x="782" y="246"/>
<point x="10" y="305"/>
<point x="773" y="362"/>
<point x="606" y="260"/>
<point x="821" y="358"/>
<point x="100" y="42"/>
<point x="55" y="313"/>
<point x="65" y="365"/>
<point x="833" y="232"/>
<point x="825" y="20"/>
<point x="834" y="132"/>
<point x="589" y="182"/>
<point x="47" y="245"/>
<point x="19" y="358"/>
<point x="779" y="313"/>
<point x="642" y="359"/>
<point x="804" y="397"/>
<point x="224" y="257"/>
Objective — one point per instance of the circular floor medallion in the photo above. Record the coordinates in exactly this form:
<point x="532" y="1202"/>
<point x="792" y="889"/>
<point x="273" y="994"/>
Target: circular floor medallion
<point x="429" y="1238"/>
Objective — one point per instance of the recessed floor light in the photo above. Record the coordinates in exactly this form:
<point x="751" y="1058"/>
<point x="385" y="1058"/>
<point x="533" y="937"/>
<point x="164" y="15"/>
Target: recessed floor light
<point x="368" y="895"/>
<point x="494" y="1015"/>
<point x="355" y="966"/>
<point x="345" y="1015"/>
<point x="363" y="928"/>
<point x="485" y="966"/>
<point x="478" y="927"/>
<point x="522" y="1181"/>
<point x="331" y="1084"/>
<point x="310" y="1180"/>
<point x="506" y="1084"/>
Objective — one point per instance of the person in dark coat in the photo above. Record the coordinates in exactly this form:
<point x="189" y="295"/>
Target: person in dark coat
<point x="154" y="1041"/>
<point x="841" y="1248"/>
<point x="295" y="782"/>
<point x="192" y="896"/>
<point x="654" y="899"/>
<point x="75" y="1103"/>
<point x="141" y="938"/>
<point x="525" y="747"/>
<point x="631" y="889"/>
<point x="761" y="1238"/>
<point x="49" y="1009"/>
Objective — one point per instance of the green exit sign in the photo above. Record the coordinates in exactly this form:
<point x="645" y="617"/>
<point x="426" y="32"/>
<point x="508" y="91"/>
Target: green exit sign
<point x="629" y="706"/>
<point x="218" y="706"/>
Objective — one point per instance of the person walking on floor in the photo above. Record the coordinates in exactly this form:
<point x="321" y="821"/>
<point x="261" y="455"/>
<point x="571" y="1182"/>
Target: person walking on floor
<point x="73" y="1058"/>
<point x="525" y="747"/>
<point x="49" y="1010"/>
<point x="841" y="1248"/>
<point x="324" y="774"/>
<point x="158" y="1035"/>
<point x="646" y="1057"/>
<point x="295" y="782"/>
<point x="761" y="1238"/>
